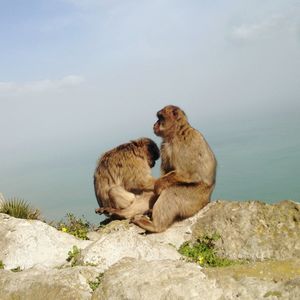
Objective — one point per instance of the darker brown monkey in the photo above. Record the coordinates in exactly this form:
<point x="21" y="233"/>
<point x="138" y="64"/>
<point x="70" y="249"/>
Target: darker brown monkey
<point x="188" y="171"/>
<point x="123" y="177"/>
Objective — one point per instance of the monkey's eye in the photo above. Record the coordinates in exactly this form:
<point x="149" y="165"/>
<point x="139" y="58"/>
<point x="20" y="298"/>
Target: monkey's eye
<point x="160" y="117"/>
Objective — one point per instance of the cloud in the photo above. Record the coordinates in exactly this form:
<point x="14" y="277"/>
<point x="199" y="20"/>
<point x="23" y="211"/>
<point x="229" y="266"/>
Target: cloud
<point x="12" y="88"/>
<point x="266" y="28"/>
<point x="88" y="4"/>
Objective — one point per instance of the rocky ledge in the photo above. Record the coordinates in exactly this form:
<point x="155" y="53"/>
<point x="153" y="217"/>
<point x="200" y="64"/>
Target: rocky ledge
<point x="121" y="262"/>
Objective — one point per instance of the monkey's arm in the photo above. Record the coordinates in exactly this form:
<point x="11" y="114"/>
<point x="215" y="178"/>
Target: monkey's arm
<point x="168" y="180"/>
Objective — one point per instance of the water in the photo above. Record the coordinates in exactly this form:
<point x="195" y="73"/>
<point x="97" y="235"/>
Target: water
<point x="258" y="159"/>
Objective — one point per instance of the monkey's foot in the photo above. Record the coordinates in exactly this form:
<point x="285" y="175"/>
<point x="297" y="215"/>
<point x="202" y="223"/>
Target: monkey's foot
<point x="138" y="218"/>
<point x="144" y="222"/>
<point x="99" y="210"/>
<point x="104" y="210"/>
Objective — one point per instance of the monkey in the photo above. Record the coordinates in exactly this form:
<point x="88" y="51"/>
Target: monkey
<point x="188" y="171"/>
<point x="142" y="205"/>
<point x="123" y="177"/>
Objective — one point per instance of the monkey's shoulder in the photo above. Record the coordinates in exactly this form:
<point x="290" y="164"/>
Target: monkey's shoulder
<point x="122" y="151"/>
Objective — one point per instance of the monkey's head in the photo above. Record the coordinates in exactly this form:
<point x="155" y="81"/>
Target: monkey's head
<point x="169" y="120"/>
<point x="151" y="150"/>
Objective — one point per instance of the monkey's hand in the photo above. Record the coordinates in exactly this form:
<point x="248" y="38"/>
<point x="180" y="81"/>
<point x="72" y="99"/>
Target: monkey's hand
<point x="170" y="179"/>
<point x="164" y="182"/>
<point x="159" y="186"/>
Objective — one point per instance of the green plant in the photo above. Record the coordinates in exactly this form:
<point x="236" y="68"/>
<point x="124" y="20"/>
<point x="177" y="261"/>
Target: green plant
<point x="273" y="294"/>
<point x="203" y="252"/>
<point x="74" y="255"/>
<point x="94" y="284"/>
<point x="2" y="265"/>
<point x="78" y="227"/>
<point x="19" y="208"/>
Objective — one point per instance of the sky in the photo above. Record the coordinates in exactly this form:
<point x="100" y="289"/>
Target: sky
<point x="78" y="77"/>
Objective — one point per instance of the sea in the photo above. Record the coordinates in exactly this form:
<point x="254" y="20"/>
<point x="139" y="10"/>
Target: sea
<point x="258" y="159"/>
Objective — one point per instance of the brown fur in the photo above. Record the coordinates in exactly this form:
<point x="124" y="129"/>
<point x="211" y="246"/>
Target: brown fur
<point x="123" y="176"/>
<point x="188" y="171"/>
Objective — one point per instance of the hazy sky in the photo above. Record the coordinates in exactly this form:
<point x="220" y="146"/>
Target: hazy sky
<point x="78" y="77"/>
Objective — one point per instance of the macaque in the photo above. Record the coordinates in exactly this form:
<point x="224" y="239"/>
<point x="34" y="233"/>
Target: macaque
<point x="188" y="171"/>
<point x="123" y="177"/>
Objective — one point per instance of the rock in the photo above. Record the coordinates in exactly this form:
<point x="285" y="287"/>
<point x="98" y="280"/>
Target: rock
<point x="2" y="200"/>
<point x="27" y="243"/>
<point x="180" y="231"/>
<point x="93" y="235"/>
<point x="116" y="225"/>
<point x="139" y="266"/>
<point x="47" y="284"/>
<point x="260" y="280"/>
<point x="253" y="230"/>
<point x="281" y="270"/>
<point x="165" y="279"/>
<point x="112" y="247"/>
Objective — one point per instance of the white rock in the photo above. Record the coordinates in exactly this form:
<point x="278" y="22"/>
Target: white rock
<point x="27" y="243"/>
<point x="47" y="284"/>
<point x="180" y="231"/>
<point x="2" y="200"/>
<point x="165" y="280"/>
<point x="112" y="247"/>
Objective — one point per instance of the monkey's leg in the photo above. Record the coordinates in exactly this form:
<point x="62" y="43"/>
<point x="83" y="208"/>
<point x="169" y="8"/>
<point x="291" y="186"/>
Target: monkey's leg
<point x="141" y="205"/>
<point x="165" y="210"/>
<point x="120" y="198"/>
<point x="147" y="183"/>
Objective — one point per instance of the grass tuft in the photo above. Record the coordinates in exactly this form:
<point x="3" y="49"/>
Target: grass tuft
<point x="203" y="252"/>
<point x="19" y="208"/>
<point x="17" y="269"/>
<point x="94" y="284"/>
<point x="73" y="256"/>
<point x="79" y="227"/>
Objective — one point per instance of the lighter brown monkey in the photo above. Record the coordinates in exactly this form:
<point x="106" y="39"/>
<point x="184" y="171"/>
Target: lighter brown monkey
<point x="123" y="177"/>
<point x="188" y="171"/>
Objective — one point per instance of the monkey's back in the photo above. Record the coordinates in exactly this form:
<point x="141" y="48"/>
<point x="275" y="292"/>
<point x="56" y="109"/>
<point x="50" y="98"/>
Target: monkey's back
<point x="117" y="167"/>
<point x="190" y="155"/>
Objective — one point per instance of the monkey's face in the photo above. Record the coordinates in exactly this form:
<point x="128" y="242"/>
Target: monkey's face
<point x="153" y="153"/>
<point x="151" y="150"/>
<point x="158" y="127"/>
<point x="168" y="119"/>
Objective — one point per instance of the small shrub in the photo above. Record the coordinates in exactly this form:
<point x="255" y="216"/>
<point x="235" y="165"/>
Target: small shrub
<point x="78" y="227"/>
<point x="17" y="269"/>
<point x="19" y="208"/>
<point x="203" y="252"/>
<point x="74" y="255"/>
<point x="2" y="265"/>
<point x="272" y="294"/>
<point x="94" y="284"/>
